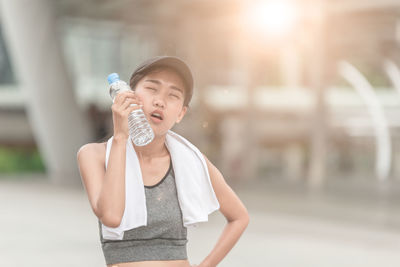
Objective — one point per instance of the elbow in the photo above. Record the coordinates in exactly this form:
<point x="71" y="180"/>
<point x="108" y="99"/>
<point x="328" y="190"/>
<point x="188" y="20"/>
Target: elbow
<point x="111" y="221"/>
<point x="107" y="218"/>
<point x="242" y="220"/>
<point x="245" y="219"/>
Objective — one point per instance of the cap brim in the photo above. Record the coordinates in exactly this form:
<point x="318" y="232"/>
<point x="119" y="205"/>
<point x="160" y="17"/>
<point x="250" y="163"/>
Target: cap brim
<point x="173" y="62"/>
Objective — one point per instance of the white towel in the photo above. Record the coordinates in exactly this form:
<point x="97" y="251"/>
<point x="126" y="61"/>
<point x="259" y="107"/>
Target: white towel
<point x="196" y="196"/>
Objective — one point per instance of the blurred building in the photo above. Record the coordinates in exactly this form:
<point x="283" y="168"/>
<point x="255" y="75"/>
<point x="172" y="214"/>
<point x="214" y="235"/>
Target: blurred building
<point x="265" y="106"/>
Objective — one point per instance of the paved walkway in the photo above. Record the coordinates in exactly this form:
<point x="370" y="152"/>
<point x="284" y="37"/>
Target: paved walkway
<point x="47" y="225"/>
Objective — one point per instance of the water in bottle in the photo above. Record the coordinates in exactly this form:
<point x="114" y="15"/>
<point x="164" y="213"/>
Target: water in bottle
<point x="140" y="130"/>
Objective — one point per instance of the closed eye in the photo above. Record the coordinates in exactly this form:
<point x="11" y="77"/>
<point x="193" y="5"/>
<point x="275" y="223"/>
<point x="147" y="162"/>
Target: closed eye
<point x="156" y="89"/>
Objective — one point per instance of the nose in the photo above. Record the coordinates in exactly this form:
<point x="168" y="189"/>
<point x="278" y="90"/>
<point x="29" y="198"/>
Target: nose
<point x="159" y="102"/>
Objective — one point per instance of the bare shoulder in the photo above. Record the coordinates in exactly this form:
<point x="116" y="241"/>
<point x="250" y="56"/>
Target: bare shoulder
<point x="94" y="146"/>
<point x="91" y="163"/>
<point x="217" y="179"/>
<point x="96" y="151"/>
<point x="230" y="204"/>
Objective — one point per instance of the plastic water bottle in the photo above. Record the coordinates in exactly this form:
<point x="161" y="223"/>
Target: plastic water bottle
<point x="140" y="130"/>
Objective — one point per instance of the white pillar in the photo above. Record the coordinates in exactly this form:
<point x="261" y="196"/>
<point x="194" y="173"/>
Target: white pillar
<point x="58" y="125"/>
<point x="317" y="64"/>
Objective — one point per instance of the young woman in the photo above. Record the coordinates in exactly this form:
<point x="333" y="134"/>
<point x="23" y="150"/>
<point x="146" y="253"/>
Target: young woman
<point x="162" y="85"/>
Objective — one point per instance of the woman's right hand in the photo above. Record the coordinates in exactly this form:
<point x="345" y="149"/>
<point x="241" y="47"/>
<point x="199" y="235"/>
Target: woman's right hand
<point x="121" y="109"/>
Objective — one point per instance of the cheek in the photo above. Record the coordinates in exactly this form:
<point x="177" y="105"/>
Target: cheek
<point x="176" y="114"/>
<point x="140" y="95"/>
<point x="140" y="90"/>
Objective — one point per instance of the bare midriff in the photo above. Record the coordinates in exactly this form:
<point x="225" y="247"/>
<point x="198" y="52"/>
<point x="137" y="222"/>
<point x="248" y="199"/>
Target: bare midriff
<point x="169" y="263"/>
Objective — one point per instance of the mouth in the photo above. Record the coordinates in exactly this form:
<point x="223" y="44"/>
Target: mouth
<point x="156" y="117"/>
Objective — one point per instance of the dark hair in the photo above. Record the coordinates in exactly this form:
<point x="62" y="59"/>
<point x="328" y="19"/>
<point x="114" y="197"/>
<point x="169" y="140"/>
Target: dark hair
<point x="138" y="76"/>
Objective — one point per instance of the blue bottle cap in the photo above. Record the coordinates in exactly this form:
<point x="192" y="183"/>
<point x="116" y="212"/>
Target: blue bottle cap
<point x="113" y="77"/>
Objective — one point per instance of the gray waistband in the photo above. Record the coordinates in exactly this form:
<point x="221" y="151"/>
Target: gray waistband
<point x="144" y="250"/>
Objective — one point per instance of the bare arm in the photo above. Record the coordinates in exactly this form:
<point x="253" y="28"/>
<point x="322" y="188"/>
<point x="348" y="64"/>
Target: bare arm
<point x="111" y="201"/>
<point x="106" y="187"/>
<point x="235" y="213"/>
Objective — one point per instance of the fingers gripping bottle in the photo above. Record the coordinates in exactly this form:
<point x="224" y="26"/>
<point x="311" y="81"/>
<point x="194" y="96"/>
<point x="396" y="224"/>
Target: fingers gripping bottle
<point x="140" y="130"/>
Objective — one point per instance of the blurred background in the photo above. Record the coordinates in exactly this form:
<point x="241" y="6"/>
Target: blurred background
<point x="297" y="103"/>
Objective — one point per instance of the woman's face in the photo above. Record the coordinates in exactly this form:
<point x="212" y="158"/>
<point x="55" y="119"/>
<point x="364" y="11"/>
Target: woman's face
<point x="162" y="90"/>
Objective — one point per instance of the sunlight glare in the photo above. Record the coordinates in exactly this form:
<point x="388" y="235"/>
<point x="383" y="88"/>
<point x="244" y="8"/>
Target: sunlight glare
<point x="271" y="17"/>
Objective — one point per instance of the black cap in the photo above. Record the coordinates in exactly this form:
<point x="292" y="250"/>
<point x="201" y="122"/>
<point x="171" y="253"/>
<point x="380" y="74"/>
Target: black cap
<point x="170" y="61"/>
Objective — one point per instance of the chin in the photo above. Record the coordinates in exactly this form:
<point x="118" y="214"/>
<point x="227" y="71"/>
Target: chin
<point x="160" y="132"/>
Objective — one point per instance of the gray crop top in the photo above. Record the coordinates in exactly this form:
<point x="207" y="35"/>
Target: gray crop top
<point x="163" y="238"/>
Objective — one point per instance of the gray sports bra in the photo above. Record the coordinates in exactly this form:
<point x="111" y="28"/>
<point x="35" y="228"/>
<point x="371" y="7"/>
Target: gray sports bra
<point x="163" y="238"/>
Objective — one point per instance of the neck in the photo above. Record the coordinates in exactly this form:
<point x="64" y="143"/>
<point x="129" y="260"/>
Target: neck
<point x="155" y="149"/>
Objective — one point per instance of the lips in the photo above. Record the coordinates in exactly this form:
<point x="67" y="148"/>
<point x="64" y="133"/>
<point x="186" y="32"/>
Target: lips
<point x="155" y="119"/>
<point x="157" y="114"/>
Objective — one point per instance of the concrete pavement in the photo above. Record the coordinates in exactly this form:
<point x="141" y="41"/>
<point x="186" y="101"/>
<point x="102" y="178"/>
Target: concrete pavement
<point x="48" y="225"/>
